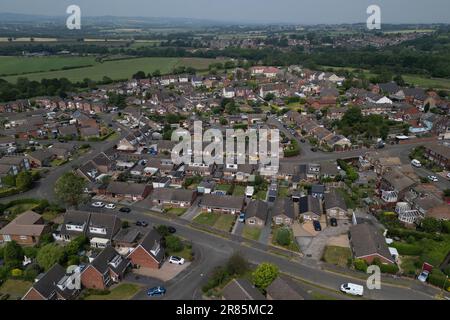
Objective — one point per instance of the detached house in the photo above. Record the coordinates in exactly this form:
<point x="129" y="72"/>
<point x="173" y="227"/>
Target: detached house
<point x="335" y="206"/>
<point x="310" y="208"/>
<point x="125" y="190"/>
<point x="25" y="229"/>
<point x="222" y="204"/>
<point x="149" y="253"/>
<point x="256" y="213"/>
<point x="107" y="268"/>
<point x="172" y="198"/>
<point x="284" y="212"/>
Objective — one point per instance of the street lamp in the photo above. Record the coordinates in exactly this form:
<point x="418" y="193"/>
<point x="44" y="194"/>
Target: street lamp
<point x="445" y="282"/>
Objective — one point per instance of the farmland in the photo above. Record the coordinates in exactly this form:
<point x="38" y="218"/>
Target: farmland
<point x="79" y="68"/>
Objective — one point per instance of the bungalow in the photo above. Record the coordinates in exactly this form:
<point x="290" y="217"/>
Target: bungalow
<point x="206" y="186"/>
<point x="394" y="185"/>
<point x="172" y="198"/>
<point x="126" y="240"/>
<point x="25" y="229"/>
<point x="240" y="290"/>
<point x="335" y="206"/>
<point x="16" y="163"/>
<point x="310" y="208"/>
<point x="108" y="267"/>
<point x="149" y="253"/>
<point x="256" y="213"/>
<point x="284" y="212"/>
<point x="41" y="158"/>
<point x="130" y="191"/>
<point x="55" y="284"/>
<point x="222" y="204"/>
<point x="282" y="289"/>
<point x="368" y="243"/>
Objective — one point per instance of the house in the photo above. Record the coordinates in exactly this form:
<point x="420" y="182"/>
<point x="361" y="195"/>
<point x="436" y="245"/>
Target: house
<point x="126" y="240"/>
<point x="41" y="158"/>
<point x="368" y="244"/>
<point x="55" y="284"/>
<point x="100" y="228"/>
<point x="335" y="206"/>
<point x="25" y="229"/>
<point x="206" y="186"/>
<point x="317" y="191"/>
<point x="256" y="213"/>
<point x="108" y="267"/>
<point x="282" y="289"/>
<point x="222" y="203"/>
<point x="438" y="154"/>
<point x="126" y="190"/>
<point x="241" y="290"/>
<point x="172" y="198"/>
<point x="310" y="208"/>
<point x="283" y="212"/>
<point x="394" y="185"/>
<point x="149" y="253"/>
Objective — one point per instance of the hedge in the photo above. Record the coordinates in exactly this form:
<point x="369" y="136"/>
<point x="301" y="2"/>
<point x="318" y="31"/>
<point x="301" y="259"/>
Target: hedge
<point x="389" y="268"/>
<point x="437" y="280"/>
<point x="360" y="265"/>
<point x="404" y="233"/>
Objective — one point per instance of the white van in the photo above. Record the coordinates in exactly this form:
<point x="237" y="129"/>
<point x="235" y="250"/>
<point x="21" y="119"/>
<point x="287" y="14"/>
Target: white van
<point x="352" y="289"/>
<point x="416" y="163"/>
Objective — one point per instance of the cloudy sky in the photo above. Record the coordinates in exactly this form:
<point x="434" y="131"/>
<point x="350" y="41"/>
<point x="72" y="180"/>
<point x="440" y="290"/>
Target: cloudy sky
<point x="266" y="11"/>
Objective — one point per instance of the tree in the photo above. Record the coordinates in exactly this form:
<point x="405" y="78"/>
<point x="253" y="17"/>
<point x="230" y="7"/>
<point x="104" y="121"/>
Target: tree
<point x="139" y="75"/>
<point x="283" y="237"/>
<point x="69" y="189"/>
<point x="12" y="254"/>
<point x="50" y="254"/>
<point x="24" y="180"/>
<point x="237" y="264"/>
<point x="431" y="225"/>
<point x="173" y="243"/>
<point x="264" y="275"/>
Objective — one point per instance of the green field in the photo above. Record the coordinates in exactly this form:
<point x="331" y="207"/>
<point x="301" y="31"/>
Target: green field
<point x="116" y="69"/>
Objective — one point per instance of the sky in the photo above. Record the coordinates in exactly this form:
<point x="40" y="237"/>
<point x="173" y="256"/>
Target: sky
<point x="251" y="11"/>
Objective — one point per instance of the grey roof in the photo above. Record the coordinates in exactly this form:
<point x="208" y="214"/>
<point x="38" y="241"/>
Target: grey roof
<point x="168" y="194"/>
<point x="367" y="240"/>
<point x="103" y="261"/>
<point x="241" y="289"/>
<point x="118" y="187"/>
<point x="151" y="241"/>
<point x="333" y="199"/>
<point x="281" y="289"/>
<point x="101" y="220"/>
<point x="439" y="149"/>
<point x="257" y="208"/>
<point x="223" y="202"/>
<point x="284" y="206"/>
<point x="41" y="155"/>
<point x="127" y="235"/>
<point x="310" y="204"/>
<point x="47" y="284"/>
<point x="317" y="188"/>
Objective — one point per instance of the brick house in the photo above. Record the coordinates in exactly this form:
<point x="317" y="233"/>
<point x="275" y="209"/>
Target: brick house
<point x="256" y="213"/>
<point x="149" y="253"/>
<point x="284" y="212"/>
<point x="105" y="269"/>
<point x="439" y="154"/>
<point x="173" y="198"/>
<point x="125" y="190"/>
<point x="222" y="204"/>
<point x="25" y="229"/>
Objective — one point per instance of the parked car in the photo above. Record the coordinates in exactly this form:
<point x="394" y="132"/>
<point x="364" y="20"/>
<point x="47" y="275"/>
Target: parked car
<point x="110" y="206"/>
<point x="242" y="217"/>
<point x="176" y="260"/>
<point x="171" y="229"/>
<point x="333" y="222"/>
<point x="125" y="209"/>
<point x="141" y="224"/>
<point x="98" y="204"/>
<point x="433" y="178"/>
<point x="302" y="140"/>
<point x="352" y="289"/>
<point x="314" y="149"/>
<point x="423" y="276"/>
<point x="156" y="291"/>
<point x="317" y="225"/>
<point x="416" y="163"/>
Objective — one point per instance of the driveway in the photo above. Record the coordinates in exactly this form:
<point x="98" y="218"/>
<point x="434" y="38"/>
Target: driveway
<point x="193" y="211"/>
<point x="167" y="271"/>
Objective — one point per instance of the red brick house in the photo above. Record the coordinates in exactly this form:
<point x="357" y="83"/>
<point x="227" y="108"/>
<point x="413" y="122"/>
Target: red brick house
<point x="25" y="229"/>
<point x="107" y="268"/>
<point x="149" y="253"/>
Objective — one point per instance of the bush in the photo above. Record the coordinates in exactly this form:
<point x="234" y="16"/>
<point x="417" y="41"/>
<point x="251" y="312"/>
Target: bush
<point x="283" y="237"/>
<point x="17" y="273"/>
<point x="174" y="244"/>
<point x="437" y="279"/>
<point x="264" y="275"/>
<point x="218" y="277"/>
<point x="389" y="268"/>
<point x="237" y="265"/>
<point x="360" y="265"/>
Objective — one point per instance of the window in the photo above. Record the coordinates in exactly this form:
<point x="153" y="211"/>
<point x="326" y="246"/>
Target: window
<point x="6" y="237"/>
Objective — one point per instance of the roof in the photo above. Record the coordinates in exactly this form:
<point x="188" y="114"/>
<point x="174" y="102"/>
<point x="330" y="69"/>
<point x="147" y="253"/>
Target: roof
<point x="152" y="244"/>
<point x="28" y="223"/>
<point x="241" y="289"/>
<point x="167" y="194"/>
<point x="47" y="284"/>
<point x="258" y="209"/>
<point x="439" y="149"/>
<point x="398" y="180"/>
<point x="280" y="289"/>
<point x="333" y="199"/>
<point x="366" y="240"/>
<point x="111" y="223"/>
<point x="118" y="187"/>
<point x="41" y="155"/>
<point x="110" y="258"/>
<point x="310" y="204"/>
<point x="127" y="235"/>
<point x="223" y="202"/>
<point x="284" y="206"/>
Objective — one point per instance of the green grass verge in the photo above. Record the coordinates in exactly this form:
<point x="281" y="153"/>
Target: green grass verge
<point x="124" y="291"/>
<point x="337" y="255"/>
<point x="252" y="233"/>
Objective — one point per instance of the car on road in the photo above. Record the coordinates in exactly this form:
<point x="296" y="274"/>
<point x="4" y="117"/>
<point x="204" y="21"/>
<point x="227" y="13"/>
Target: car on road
<point x="317" y="225"/>
<point x="314" y="149"/>
<point x="242" y="217"/>
<point x="98" y="204"/>
<point x="141" y="223"/>
<point x="423" y="276"/>
<point x="110" y="206"/>
<point x="176" y="260"/>
<point x="333" y="222"/>
<point x="171" y="229"/>
<point x="156" y="291"/>
<point x="352" y="289"/>
<point x="433" y="178"/>
<point x="125" y="209"/>
<point x="416" y="163"/>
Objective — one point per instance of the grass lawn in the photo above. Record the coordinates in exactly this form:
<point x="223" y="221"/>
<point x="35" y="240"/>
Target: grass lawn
<point x="337" y="255"/>
<point x="58" y="162"/>
<point x="186" y="253"/>
<point x="177" y="211"/>
<point x="216" y="220"/>
<point x="224" y="187"/>
<point x="260" y="195"/>
<point x="239" y="191"/>
<point x="20" y="208"/>
<point x="410" y="265"/>
<point x="206" y="218"/>
<point x="436" y="83"/>
<point x="114" y="69"/>
<point x="124" y="291"/>
<point x="113" y="137"/>
<point x="15" y="288"/>
<point x="293" y="246"/>
<point x="252" y="233"/>
<point x="49" y="215"/>
<point x="283" y="192"/>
